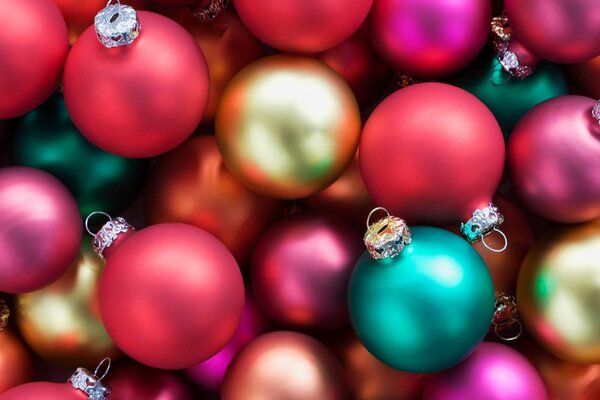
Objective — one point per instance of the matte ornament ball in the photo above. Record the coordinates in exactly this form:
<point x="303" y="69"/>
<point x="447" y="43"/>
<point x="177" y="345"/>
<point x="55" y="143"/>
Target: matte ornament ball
<point x="142" y="99"/>
<point x="33" y="47"/>
<point x="553" y="160"/>
<point x="287" y="126"/>
<point x="16" y="367"/>
<point x="41" y="229"/>
<point x="43" y="391"/>
<point x="557" y="292"/>
<point x="427" y="308"/>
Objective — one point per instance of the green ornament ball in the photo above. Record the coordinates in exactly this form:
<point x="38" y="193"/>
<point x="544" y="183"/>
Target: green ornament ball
<point x="510" y="99"/>
<point x="426" y="309"/>
<point x="47" y="139"/>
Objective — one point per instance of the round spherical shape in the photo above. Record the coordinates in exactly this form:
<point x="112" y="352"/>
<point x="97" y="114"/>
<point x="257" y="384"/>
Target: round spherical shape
<point x="407" y="309"/>
<point x="131" y="381"/>
<point x="42" y="229"/>
<point x="430" y="136"/>
<point x="184" y="295"/>
<point x="557" y="290"/>
<point x="585" y="77"/>
<point x="33" y="47"/>
<point x="44" y="390"/>
<point x="305" y="26"/>
<point x="287" y="126"/>
<point x="128" y="101"/>
<point x="284" y="365"/>
<point x="192" y="185"/>
<point x="48" y="140"/>
<point x="562" y="31"/>
<point x="553" y="155"/>
<point x="15" y="363"/>
<point x="74" y="334"/>
<point x="493" y="372"/>
<point x="429" y="38"/>
<point x="301" y="268"/>
<point x="510" y="99"/>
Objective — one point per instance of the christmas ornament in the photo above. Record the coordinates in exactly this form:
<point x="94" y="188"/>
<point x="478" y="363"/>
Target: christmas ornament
<point x="41" y="229"/>
<point x="505" y="323"/>
<point x="356" y="61"/>
<point x="132" y="381"/>
<point x="15" y="363"/>
<point x="209" y="374"/>
<point x="557" y="292"/>
<point x="302" y="26"/>
<point x="431" y="286"/>
<point x="552" y="154"/>
<point x="284" y="365"/>
<point x="48" y="140"/>
<point x="585" y="77"/>
<point x="125" y="98"/>
<point x="33" y="48"/>
<point x="493" y="372"/>
<point x="83" y="384"/>
<point x="227" y="46"/>
<point x="287" y="126"/>
<point x="183" y="286"/>
<point x="429" y="38"/>
<point x="191" y="184"/>
<point x="442" y="132"/>
<point x="508" y="98"/>
<point x="347" y="197"/>
<point x="301" y="268"/>
<point x="61" y="322"/>
<point x="563" y="31"/>
<point x="369" y="378"/>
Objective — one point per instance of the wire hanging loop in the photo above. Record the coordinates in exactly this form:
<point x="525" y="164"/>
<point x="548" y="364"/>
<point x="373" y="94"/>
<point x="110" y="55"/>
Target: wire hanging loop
<point x="487" y="246"/>
<point x="505" y="326"/>
<point x="92" y="214"/>
<point x="105" y="363"/>
<point x="371" y="227"/>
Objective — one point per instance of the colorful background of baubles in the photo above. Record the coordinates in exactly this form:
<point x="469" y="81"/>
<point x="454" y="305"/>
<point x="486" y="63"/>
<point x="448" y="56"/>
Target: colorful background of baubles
<point x="247" y="150"/>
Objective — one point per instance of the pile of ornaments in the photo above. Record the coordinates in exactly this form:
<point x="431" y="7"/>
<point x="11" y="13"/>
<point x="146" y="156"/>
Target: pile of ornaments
<point x="187" y="188"/>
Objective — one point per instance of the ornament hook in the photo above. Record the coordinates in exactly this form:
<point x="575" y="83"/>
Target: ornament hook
<point x="87" y="220"/>
<point x="4" y="314"/>
<point x="106" y="369"/>
<point x="499" y="328"/>
<point x="487" y="246"/>
<point x="373" y="211"/>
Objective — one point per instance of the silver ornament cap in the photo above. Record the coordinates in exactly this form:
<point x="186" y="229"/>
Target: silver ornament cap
<point x="386" y="237"/>
<point x="90" y="383"/>
<point x="109" y="232"/>
<point x="117" y="25"/>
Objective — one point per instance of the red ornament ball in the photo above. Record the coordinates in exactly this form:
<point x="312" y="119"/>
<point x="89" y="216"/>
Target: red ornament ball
<point x="432" y="154"/>
<point x="553" y="159"/>
<point x="429" y="38"/>
<point x="45" y="391"/>
<point x="40" y="231"/>
<point x="139" y="100"/>
<point x="171" y="295"/>
<point x="33" y="47"/>
<point x="307" y="26"/>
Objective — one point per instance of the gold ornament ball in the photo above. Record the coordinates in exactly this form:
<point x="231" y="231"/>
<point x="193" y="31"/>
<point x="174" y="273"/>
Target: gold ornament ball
<point x="558" y="292"/>
<point x="287" y="126"/>
<point x="61" y="322"/>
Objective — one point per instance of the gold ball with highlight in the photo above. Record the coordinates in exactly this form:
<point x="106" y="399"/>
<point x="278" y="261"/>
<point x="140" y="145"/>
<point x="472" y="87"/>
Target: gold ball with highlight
<point x="287" y="126"/>
<point x="557" y="292"/>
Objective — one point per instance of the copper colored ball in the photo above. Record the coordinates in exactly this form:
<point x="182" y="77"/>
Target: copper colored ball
<point x="192" y="185"/>
<point x="284" y="366"/>
<point x="15" y="364"/>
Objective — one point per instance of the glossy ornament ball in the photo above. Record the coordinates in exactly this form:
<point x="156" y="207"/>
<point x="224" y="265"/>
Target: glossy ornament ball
<point x="302" y="26"/>
<point x="557" y="292"/>
<point x="16" y="367"/>
<point x="493" y="372"/>
<point x="287" y="126"/>
<point x="33" y="47"/>
<point x="301" y="268"/>
<point x="426" y="137"/>
<point x="284" y="365"/>
<point x="48" y="140"/>
<point x="509" y="99"/>
<point x="184" y="293"/>
<point x="45" y="391"/>
<point x="128" y="100"/>
<point x="562" y="31"/>
<point x="132" y="381"/>
<point x="61" y="322"/>
<point x="41" y="229"/>
<point x="585" y="77"/>
<point x="429" y="38"/>
<point x="553" y="155"/>
<point x="192" y="185"/>
<point x="407" y="309"/>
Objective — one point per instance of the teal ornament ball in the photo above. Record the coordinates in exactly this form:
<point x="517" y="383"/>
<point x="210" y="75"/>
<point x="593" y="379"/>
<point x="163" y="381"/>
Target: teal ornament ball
<point x="426" y="309"/>
<point x="509" y="99"/>
<point x="47" y="139"/>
